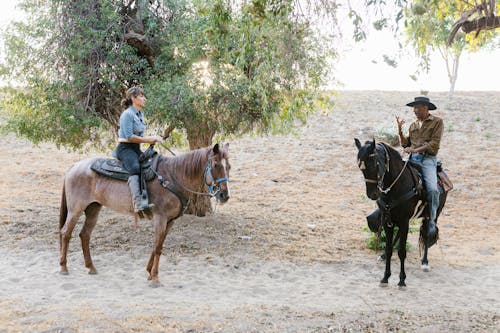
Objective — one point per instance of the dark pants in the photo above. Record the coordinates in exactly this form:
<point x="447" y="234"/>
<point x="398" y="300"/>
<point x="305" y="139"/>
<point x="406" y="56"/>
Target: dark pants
<point x="129" y="154"/>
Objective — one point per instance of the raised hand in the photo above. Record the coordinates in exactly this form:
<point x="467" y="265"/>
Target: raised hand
<point x="400" y="123"/>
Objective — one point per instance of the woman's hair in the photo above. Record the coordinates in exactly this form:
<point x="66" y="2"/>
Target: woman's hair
<point x="131" y="92"/>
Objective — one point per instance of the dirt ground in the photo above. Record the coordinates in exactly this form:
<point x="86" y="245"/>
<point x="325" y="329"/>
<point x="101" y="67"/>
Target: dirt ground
<point x="287" y="253"/>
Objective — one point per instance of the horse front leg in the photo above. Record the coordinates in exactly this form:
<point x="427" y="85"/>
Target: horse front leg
<point x="161" y="230"/>
<point x="403" y="235"/>
<point x="388" y="254"/>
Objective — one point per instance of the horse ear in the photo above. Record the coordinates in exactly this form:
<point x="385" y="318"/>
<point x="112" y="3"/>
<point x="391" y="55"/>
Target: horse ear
<point x="216" y="149"/>
<point x="357" y="143"/>
<point x="372" y="144"/>
<point x="226" y="147"/>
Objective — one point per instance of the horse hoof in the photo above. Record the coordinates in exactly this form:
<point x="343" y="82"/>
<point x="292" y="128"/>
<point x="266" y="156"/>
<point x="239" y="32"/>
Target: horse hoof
<point x="383" y="284"/>
<point x="402" y="287"/>
<point x="425" y="267"/>
<point x="64" y="272"/>
<point x="93" y="272"/>
<point x="155" y="284"/>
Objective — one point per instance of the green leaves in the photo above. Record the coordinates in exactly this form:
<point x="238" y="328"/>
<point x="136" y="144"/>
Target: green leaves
<point x="209" y="65"/>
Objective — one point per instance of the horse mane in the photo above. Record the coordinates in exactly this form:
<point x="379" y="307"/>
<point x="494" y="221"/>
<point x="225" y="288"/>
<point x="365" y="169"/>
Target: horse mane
<point x="393" y="153"/>
<point x="190" y="165"/>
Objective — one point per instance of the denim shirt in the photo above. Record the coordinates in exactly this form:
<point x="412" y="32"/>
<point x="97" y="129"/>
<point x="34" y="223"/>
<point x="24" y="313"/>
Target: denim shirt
<point x="131" y="123"/>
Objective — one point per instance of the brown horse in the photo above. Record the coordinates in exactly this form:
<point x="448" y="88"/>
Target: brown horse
<point x="85" y="191"/>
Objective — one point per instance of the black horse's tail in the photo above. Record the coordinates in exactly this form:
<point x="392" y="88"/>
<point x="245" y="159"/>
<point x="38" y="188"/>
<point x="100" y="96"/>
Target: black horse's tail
<point x="63" y="210"/>
<point x="422" y="240"/>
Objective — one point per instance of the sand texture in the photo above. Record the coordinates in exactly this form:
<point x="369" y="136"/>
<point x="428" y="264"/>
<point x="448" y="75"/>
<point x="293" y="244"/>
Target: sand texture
<point x="287" y="253"/>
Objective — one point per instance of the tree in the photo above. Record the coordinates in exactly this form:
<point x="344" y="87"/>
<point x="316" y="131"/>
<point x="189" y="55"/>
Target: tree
<point x="428" y="25"/>
<point x="207" y="67"/>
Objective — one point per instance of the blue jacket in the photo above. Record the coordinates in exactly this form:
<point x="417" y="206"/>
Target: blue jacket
<point x="131" y="123"/>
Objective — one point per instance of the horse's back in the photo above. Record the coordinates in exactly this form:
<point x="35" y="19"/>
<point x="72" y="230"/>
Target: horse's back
<point x="83" y="186"/>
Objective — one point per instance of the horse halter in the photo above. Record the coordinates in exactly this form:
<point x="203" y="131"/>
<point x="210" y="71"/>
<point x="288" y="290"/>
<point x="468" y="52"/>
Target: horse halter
<point x="215" y="181"/>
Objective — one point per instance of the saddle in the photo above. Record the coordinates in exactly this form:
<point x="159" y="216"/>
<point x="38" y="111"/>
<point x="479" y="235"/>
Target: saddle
<point x="444" y="182"/>
<point x="113" y="168"/>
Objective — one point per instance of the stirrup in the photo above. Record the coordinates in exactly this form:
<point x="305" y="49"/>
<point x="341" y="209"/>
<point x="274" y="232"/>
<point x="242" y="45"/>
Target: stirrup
<point x="148" y="211"/>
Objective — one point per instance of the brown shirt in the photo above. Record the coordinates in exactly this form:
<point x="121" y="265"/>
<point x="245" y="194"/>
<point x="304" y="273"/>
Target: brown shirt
<point x="428" y="135"/>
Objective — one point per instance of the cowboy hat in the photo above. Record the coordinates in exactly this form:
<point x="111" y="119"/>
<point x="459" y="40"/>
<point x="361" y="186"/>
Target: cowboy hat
<point x="422" y="100"/>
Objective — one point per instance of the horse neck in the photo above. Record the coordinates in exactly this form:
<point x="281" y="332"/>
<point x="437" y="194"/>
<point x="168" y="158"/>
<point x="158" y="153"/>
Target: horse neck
<point x="396" y="164"/>
<point x="189" y="167"/>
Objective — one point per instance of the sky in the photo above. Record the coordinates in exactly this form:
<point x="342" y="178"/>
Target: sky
<point x="360" y="65"/>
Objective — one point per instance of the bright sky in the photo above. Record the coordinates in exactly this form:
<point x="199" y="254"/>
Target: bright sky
<point x="357" y="71"/>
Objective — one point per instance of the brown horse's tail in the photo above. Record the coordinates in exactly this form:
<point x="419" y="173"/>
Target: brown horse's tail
<point x="63" y="211"/>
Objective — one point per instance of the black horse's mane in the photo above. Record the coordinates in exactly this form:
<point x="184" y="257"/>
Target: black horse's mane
<point x="393" y="153"/>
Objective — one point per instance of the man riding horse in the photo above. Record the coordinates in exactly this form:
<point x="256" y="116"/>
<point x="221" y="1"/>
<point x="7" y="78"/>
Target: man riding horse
<point x="423" y="144"/>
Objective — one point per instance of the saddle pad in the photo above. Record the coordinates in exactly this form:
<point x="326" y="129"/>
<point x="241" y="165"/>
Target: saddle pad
<point x="113" y="168"/>
<point x="110" y="167"/>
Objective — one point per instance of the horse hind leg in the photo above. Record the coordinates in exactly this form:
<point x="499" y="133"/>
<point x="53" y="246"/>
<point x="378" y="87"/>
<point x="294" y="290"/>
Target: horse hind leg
<point x="64" y="238"/>
<point x="91" y="214"/>
<point x="424" y="265"/>
<point x="425" y="262"/>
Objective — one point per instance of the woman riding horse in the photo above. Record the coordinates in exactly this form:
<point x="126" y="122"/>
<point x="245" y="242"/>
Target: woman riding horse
<point x="131" y="135"/>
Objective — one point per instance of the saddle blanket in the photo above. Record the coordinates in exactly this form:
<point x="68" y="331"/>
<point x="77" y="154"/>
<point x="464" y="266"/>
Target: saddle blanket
<point x="113" y="168"/>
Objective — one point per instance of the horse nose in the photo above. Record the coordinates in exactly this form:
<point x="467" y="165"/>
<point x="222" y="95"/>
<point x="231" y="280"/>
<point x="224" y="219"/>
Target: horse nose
<point x="224" y="196"/>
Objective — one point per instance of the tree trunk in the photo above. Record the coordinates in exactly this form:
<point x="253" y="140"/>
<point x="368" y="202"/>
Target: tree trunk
<point x="454" y="75"/>
<point x="452" y="71"/>
<point x="199" y="136"/>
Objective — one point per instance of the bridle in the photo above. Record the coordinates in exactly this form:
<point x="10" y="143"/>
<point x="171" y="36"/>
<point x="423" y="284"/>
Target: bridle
<point x="208" y="171"/>
<point x="213" y="188"/>
<point x="215" y="181"/>
<point x="380" y="176"/>
<point x="384" y="201"/>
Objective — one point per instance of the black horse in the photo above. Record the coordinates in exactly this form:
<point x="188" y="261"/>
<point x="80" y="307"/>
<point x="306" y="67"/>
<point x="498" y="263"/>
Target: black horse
<point x="396" y="186"/>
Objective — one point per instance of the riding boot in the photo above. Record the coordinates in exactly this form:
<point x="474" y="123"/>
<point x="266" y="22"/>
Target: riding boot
<point x="141" y="206"/>
<point x="147" y="208"/>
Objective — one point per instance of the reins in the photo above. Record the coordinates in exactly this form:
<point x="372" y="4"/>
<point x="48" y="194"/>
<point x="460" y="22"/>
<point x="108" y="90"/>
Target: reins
<point x="208" y="170"/>
<point x="395" y="180"/>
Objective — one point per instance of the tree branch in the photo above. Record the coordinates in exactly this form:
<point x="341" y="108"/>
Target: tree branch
<point x="482" y="23"/>
<point x="487" y="22"/>
<point x="142" y="45"/>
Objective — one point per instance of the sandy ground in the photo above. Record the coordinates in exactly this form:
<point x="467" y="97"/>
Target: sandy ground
<point x="287" y="253"/>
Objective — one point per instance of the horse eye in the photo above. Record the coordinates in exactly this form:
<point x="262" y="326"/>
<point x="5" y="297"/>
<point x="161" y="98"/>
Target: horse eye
<point x="216" y="165"/>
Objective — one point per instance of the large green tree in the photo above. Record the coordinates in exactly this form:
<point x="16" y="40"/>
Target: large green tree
<point x="208" y="67"/>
